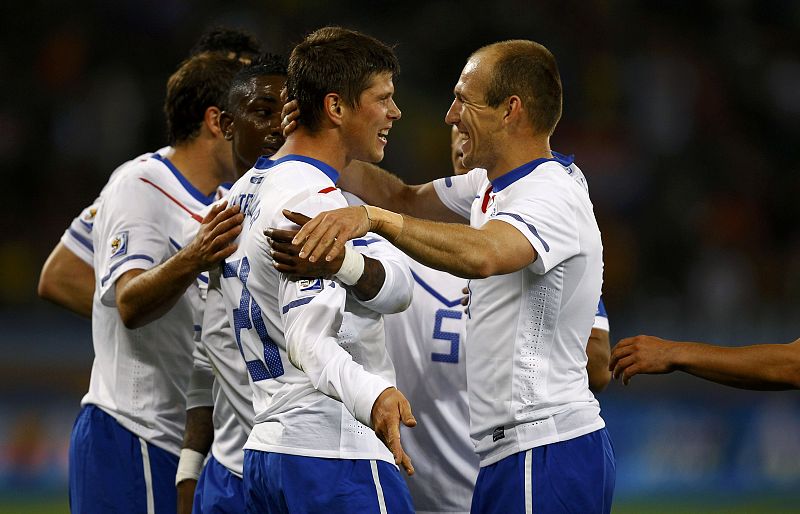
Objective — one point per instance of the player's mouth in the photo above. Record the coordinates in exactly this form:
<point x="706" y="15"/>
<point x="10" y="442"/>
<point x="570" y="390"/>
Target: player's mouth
<point x="383" y="136"/>
<point x="271" y="145"/>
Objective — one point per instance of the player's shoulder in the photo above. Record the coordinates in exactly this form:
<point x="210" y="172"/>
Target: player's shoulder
<point x="298" y="171"/>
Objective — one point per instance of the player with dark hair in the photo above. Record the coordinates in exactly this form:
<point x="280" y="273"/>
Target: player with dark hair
<point x="323" y="386"/>
<point x="125" y="443"/>
<point x="233" y="43"/>
<point x="67" y="277"/>
<point x="534" y="254"/>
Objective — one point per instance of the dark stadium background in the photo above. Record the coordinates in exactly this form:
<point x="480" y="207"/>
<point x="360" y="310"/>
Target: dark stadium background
<point x="685" y="119"/>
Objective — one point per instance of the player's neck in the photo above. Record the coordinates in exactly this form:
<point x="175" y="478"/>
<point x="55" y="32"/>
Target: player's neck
<point x="518" y="153"/>
<point x="198" y="163"/>
<point x="323" y="146"/>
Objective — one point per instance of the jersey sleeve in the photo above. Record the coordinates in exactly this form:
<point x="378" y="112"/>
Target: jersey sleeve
<point x="545" y="213"/>
<point x="398" y="285"/>
<point x="130" y="234"/>
<point x="601" y="317"/>
<point x="78" y="236"/>
<point x="458" y="192"/>
<point x="311" y="313"/>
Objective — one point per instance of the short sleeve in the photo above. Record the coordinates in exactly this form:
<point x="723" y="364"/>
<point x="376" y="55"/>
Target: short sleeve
<point x="601" y="317"/>
<point x="545" y="213"/>
<point x="458" y="192"/>
<point x="128" y="234"/>
<point x="78" y="236"/>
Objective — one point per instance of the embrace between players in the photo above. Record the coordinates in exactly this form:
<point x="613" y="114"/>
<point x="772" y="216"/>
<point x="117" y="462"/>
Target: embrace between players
<point x="210" y="335"/>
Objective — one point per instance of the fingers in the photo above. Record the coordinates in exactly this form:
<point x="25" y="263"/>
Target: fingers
<point x="401" y="458"/>
<point x="406" y="416"/>
<point x="215" y="210"/>
<point x="296" y="217"/>
<point x="283" y="236"/>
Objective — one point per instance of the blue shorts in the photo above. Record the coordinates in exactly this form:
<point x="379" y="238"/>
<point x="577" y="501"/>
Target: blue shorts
<point x="569" y="476"/>
<point x="113" y="470"/>
<point x="218" y="491"/>
<point x="279" y="483"/>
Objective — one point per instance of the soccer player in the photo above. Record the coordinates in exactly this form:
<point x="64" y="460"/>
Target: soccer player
<point x="67" y="277"/>
<point x="220" y="409"/>
<point x="762" y="366"/>
<point x="125" y="443"/>
<point x="534" y="253"/>
<point x="326" y="434"/>
<point x="427" y="344"/>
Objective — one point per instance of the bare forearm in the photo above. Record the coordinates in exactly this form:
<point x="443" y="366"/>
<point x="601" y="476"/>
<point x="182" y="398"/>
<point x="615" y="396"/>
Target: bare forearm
<point x="199" y="432"/>
<point x="598" y="352"/>
<point x="149" y="295"/>
<point x="379" y="187"/>
<point x="67" y="281"/>
<point x="764" y="367"/>
<point x="371" y="282"/>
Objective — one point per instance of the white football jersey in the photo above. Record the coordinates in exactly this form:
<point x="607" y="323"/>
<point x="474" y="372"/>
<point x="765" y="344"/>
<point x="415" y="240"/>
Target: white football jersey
<point x="427" y="346"/>
<point x="528" y="330"/>
<point x="219" y="380"/>
<point x="140" y="376"/>
<point x="78" y="236"/>
<point x="314" y="377"/>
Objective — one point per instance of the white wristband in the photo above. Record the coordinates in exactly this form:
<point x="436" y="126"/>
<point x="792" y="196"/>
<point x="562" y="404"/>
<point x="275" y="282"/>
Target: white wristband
<point x="189" y="465"/>
<point x="352" y="267"/>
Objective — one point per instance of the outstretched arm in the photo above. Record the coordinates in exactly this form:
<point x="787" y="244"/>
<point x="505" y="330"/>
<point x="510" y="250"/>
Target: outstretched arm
<point x="494" y="249"/>
<point x="377" y="186"/>
<point x="762" y="367"/>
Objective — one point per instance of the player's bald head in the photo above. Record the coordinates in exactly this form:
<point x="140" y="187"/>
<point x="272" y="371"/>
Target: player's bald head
<point x="528" y="70"/>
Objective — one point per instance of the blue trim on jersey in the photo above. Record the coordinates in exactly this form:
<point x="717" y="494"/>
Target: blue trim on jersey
<point x="226" y="185"/>
<point x="296" y="303"/>
<point x="365" y="242"/>
<point x="89" y="225"/>
<point x="175" y="244"/>
<point x="601" y="309"/>
<point x="433" y="292"/>
<point x="205" y="200"/>
<point x="264" y="163"/>
<point x="505" y="180"/>
<point x="82" y="240"/>
<point x="327" y="169"/>
<point x="120" y="263"/>
<point x="448" y="181"/>
<point x="530" y="227"/>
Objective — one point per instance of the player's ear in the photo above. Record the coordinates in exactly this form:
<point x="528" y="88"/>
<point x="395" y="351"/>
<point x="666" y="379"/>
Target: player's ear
<point x="513" y="110"/>
<point x="334" y="108"/>
<point x="226" y="125"/>
<point x="212" y="122"/>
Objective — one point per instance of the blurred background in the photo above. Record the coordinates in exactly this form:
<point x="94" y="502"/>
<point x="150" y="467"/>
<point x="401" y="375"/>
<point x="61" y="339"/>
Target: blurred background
<point x="684" y="117"/>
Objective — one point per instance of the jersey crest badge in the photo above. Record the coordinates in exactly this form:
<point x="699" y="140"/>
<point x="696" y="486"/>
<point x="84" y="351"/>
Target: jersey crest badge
<point x="89" y="214"/>
<point x="119" y="244"/>
<point x="308" y="287"/>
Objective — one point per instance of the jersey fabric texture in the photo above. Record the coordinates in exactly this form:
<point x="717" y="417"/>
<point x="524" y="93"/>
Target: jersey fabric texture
<point x="427" y="346"/>
<point x="528" y="330"/>
<point x="123" y="473"/>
